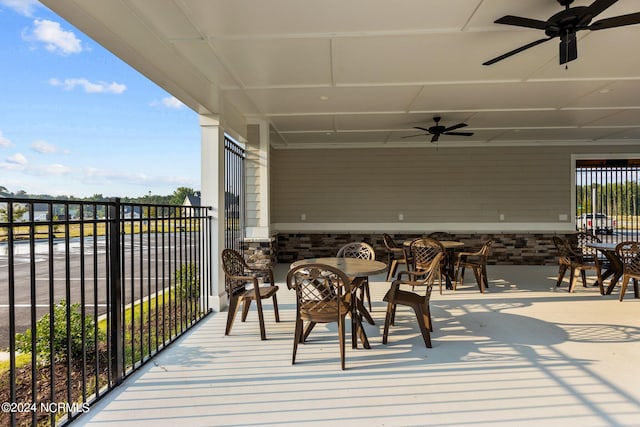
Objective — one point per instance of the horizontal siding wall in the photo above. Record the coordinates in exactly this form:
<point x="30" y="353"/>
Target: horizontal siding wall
<point x="454" y="186"/>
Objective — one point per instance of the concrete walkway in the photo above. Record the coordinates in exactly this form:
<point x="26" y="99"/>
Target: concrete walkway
<point x="523" y="354"/>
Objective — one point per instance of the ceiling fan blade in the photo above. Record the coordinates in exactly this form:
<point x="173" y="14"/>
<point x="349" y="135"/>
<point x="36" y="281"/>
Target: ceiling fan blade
<point x="568" y="48"/>
<point x="599" y="6"/>
<point x="521" y="22"/>
<point x="454" y="127"/>
<point x="459" y="133"/>
<point x="413" y="136"/>
<point x="590" y="12"/>
<point x="435" y="137"/>
<point x="616" y="21"/>
<point x="424" y="129"/>
<point x="518" y="50"/>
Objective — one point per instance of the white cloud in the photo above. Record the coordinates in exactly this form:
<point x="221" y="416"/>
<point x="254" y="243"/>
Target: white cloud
<point x="18" y="162"/>
<point x="168" y="102"/>
<point x="53" y="169"/>
<point x="17" y="159"/>
<point x="133" y="177"/>
<point x="89" y="87"/>
<point x="43" y="147"/>
<point x="55" y="39"/>
<point x="172" y="102"/>
<point x="23" y="7"/>
<point x="4" y="141"/>
<point x="102" y="177"/>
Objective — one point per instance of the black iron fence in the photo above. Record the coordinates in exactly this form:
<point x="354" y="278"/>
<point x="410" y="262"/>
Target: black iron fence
<point x="90" y="291"/>
<point x="234" y="200"/>
<point x="608" y="198"/>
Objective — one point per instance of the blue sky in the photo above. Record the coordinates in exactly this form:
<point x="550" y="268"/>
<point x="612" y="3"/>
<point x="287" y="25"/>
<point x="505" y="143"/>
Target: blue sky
<point x="76" y="120"/>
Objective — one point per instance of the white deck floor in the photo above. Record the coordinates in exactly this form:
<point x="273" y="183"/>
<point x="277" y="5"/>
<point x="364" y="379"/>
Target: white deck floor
<point x="524" y="353"/>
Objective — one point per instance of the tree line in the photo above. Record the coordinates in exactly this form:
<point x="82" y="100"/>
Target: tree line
<point x="620" y="199"/>
<point x="177" y="198"/>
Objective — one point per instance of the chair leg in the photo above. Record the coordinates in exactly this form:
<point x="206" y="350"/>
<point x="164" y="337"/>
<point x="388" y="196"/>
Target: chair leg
<point x="572" y="280"/>
<point x="234" y="303"/>
<point x="275" y="307"/>
<point x="297" y="338"/>
<point x="478" y="274"/>
<point x="636" y="290"/>
<point x="484" y="276"/>
<point x="393" y="315"/>
<point x="263" y="331"/>
<point x="427" y="311"/>
<point x="423" y="319"/>
<point x="341" y="339"/>
<point x="393" y="266"/>
<point x="583" y="275"/>
<point x="387" y="323"/>
<point x="389" y="318"/>
<point x="246" y="305"/>
<point x="307" y="331"/>
<point x="561" y="273"/>
<point x="456" y="276"/>
<point x="623" y="287"/>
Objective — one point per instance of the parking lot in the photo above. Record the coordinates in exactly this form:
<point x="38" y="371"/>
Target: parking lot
<point x="75" y="274"/>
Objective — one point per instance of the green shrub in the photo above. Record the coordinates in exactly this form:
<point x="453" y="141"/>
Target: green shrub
<point x="187" y="281"/>
<point x="42" y="339"/>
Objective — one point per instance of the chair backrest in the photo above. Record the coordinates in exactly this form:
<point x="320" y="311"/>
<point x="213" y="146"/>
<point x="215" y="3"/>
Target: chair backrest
<point x="581" y="240"/>
<point x="629" y="253"/>
<point x="486" y="248"/>
<point x="561" y="245"/>
<point x="427" y="255"/>
<point x="320" y="291"/>
<point x="566" y="253"/>
<point x="233" y="265"/>
<point x="360" y="250"/>
<point x="389" y="243"/>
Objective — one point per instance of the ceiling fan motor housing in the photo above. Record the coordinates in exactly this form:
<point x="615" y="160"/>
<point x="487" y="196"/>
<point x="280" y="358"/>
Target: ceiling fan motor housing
<point x="565" y="24"/>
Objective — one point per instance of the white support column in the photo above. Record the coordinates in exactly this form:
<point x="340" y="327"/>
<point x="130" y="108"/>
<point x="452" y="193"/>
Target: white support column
<point x="212" y="183"/>
<point x="257" y="181"/>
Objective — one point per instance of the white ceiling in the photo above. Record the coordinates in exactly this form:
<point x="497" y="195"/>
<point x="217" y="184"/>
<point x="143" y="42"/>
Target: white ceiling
<point x="363" y="72"/>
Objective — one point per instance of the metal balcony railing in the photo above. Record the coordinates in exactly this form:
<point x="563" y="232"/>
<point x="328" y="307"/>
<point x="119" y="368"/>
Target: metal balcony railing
<point x="90" y="291"/>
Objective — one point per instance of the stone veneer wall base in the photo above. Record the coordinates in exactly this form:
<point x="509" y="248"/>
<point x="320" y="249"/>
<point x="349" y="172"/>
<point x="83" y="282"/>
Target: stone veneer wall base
<point x="259" y="252"/>
<point x="508" y="249"/>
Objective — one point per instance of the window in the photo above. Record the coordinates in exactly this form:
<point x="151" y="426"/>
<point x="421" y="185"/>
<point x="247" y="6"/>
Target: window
<point x="609" y="189"/>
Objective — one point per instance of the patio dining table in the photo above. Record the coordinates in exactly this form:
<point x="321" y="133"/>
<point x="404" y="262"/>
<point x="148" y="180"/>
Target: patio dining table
<point x="615" y="268"/>
<point x="352" y="268"/>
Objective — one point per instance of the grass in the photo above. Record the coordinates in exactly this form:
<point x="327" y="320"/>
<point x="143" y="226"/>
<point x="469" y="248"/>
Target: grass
<point x="21" y="360"/>
<point x="140" y="314"/>
<point x="136" y="319"/>
<point x="98" y="229"/>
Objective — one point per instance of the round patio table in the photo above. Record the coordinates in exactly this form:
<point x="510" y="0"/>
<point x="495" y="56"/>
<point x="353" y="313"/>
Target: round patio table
<point x="352" y="267"/>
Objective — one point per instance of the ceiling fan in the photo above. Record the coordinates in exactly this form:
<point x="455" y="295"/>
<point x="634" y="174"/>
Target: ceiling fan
<point x="565" y="24"/>
<point x="438" y="130"/>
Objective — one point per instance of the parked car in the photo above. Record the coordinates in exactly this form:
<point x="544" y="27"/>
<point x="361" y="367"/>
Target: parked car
<point x="603" y="223"/>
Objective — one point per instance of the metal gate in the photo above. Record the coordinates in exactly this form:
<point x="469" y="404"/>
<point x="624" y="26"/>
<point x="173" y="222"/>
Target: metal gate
<point x="608" y="198"/>
<point x="234" y="194"/>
